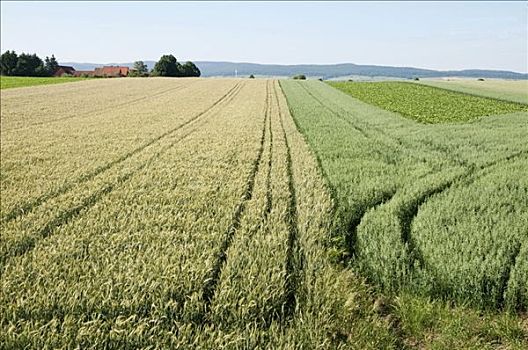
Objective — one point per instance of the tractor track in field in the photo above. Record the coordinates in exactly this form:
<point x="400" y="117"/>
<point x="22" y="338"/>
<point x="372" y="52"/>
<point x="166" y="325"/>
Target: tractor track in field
<point x="210" y="284"/>
<point x="269" y="194"/>
<point x="409" y="212"/>
<point x="27" y="243"/>
<point x="27" y="207"/>
<point x="357" y="217"/>
<point x="506" y="276"/>
<point x="118" y="106"/>
<point x="406" y="215"/>
<point x="294" y="256"/>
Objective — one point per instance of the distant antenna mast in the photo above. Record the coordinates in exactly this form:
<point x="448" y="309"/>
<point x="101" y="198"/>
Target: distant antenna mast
<point x="236" y="73"/>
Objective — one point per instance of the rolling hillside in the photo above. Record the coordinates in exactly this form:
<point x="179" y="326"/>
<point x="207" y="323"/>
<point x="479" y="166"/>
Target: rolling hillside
<point x="327" y="71"/>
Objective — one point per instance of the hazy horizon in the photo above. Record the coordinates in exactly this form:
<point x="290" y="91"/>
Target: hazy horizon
<point x="437" y="36"/>
<point x="281" y="64"/>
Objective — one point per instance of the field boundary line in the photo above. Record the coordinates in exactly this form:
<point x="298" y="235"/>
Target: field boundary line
<point x="69" y="214"/>
<point x="320" y="169"/>
<point x="27" y="207"/>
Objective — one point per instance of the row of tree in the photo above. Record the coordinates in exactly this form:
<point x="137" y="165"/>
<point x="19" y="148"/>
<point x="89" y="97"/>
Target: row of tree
<point x="167" y="66"/>
<point x="32" y="66"/>
<point x="28" y="65"/>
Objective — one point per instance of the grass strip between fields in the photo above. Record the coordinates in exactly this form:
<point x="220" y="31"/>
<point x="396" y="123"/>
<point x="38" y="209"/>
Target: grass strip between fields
<point x="8" y="82"/>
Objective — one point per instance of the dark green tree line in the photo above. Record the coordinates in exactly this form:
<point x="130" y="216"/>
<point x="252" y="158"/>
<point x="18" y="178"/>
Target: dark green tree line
<point x="28" y="65"/>
<point x="168" y="66"/>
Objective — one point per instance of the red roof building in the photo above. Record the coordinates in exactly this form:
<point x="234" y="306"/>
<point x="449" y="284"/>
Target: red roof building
<point x="111" y="71"/>
<point x="64" y="70"/>
<point x="83" y="73"/>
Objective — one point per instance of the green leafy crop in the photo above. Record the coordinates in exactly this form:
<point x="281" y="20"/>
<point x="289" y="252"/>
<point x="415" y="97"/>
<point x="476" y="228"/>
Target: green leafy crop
<point x="427" y="104"/>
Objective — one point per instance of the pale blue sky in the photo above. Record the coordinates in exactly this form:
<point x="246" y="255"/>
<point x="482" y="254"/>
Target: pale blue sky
<point x="448" y="35"/>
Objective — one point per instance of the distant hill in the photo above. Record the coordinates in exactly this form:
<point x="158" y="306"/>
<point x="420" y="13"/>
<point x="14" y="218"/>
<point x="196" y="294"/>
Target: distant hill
<point x="326" y="71"/>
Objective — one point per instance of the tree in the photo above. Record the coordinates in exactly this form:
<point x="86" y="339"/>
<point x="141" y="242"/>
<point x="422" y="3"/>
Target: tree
<point x="139" y="69"/>
<point x="29" y="65"/>
<point x="8" y="62"/>
<point x="189" y="69"/>
<point x="300" y="77"/>
<point x="167" y="66"/>
<point x="251" y="76"/>
<point x="51" y="65"/>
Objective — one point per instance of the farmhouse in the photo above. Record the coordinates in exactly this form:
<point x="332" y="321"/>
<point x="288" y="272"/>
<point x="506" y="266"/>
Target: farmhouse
<point x="111" y="71"/>
<point x="83" y="73"/>
<point x="62" y="70"/>
<point x="106" y="71"/>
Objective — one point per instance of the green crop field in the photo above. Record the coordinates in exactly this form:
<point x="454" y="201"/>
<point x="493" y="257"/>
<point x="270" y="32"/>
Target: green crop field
<point x="246" y="213"/>
<point x="427" y="104"/>
<point x="15" y="82"/>
<point x="436" y="208"/>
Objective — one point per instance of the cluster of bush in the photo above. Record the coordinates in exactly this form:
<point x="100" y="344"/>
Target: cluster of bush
<point x="27" y="65"/>
<point x="167" y="66"/>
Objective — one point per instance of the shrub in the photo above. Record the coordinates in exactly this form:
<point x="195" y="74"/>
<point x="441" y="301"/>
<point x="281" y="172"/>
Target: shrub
<point x="139" y="69"/>
<point x="299" y="77"/>
<point x="167" y="66"/>
<point x="189" y="69"/>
